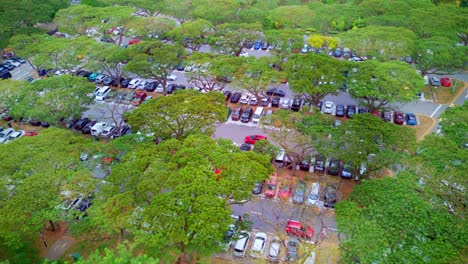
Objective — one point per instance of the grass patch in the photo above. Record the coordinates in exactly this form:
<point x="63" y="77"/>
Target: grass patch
<point x="424" y="127"/>
<point x="444" y="95"/>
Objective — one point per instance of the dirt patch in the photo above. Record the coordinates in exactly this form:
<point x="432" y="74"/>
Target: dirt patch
<point x="424" y="127"/>
<point x="328" y="251"/>
<point x="445" y="95"/>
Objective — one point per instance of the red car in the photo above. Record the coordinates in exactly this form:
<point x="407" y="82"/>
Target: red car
<point x="398" y="118"/>
<point x="446" y="82"/>
<point x="30" y="134"/>
<point x="253" y="138"/>
<point x="285" y="188"/>
<point x="133" y="41"/>
<point x="270" y="190"/>
<point x="139" y="98"/>
<point x="296" y="228"/>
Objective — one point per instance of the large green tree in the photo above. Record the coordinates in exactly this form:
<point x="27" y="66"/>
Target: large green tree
<point x="376" y="84"/>
<point x="454" y="123"/>
<point x="53" y="99"/>
<point x="293" y="16"/>
<point x="9" y="89"/>
<point x="110" y="60"/>
<point x="315" y="76"/>
<point x="192" y="34"/>
<point x="438" y="54"/>
<point x="179" y="115"/>
<point x="155" y="60"/>
<point x="402" y="226"/>
<point x="230" y="38"/>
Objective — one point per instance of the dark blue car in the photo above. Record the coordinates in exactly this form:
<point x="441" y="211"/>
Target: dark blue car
<point x="411" y="119"/>
<point x="257" y="44"/>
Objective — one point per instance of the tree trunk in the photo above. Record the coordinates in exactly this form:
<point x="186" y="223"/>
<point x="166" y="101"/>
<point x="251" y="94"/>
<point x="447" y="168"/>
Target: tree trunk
<point x="122" y="234"/>
<point x="52" y="225"/>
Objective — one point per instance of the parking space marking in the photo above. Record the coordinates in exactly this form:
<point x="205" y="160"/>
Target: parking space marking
<point x="256" y="213"/>
<point x="435" y="111"/>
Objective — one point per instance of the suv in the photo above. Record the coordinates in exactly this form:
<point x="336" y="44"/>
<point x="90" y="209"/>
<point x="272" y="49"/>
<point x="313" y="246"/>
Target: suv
<point x="296" y="104"/>
<point x="275" y="102"/>
<point x="246" y="115"/>
<point x="296" y="228"/>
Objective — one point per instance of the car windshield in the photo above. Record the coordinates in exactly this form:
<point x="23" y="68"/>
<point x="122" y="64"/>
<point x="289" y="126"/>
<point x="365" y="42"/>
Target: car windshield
<point x="313" y="196"/>
<point x="271" y="187"/>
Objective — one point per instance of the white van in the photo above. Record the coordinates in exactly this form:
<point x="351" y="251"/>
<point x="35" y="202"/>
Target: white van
<point x="280" y="157"/>
<point x="97" y="129"/>
<point x="257" y="115"/>
<point x="101" y="93"/>
<point x="241" y="244"/>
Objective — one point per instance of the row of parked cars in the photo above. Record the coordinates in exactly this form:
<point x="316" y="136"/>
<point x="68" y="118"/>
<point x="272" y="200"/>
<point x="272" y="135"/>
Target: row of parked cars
<point x="9" y="134"/>
<point x="274" y="251"/>
<point x="396" y="117"/>
<point x="7" y="65"/>
<point x="106" y="94"/>
<point x="98" y="129"/>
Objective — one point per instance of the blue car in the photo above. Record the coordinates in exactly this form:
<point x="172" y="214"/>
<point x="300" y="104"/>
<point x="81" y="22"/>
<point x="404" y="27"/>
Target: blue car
<point x="410" y="119"/>
<point x="257" y="44"/>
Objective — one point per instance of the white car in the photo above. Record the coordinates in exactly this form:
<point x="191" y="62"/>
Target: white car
<point x="159" y="89"/>
<point x="142" y="85"/>
<point x="134" y="83"/>
<point x="101" y="93"/>
<point x="244" y="54"/>
<point x="97" y="129"/>
<point x="245" y="98"/>
<point x="14" y="63"/>
<point x="285" y="103"/>
<point x="275" y="249"/>
<point x="258" y="245"/>
<point x="171" y="77"/>
<point x="305" y="49"/>
<point x="15" y="135"/>
<point x="5" y="134"/>
<point x="328" y="107"/>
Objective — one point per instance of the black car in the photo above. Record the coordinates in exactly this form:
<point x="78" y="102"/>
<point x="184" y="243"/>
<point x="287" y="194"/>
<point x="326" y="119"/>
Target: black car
<point x="81" y="123"/>
<point x="18" y="59"/>
<point x="124" y="130"/>
<point x="71" y="124"/>
<point x="362" y="110"/>
<point x="124" y="82"/>
<point x="249" y="44"/>
<point x="338" y="53"/>
<point x="340" y="110"/>
<point x="235" y="98"/>
<point x="350" y="110"/>
<point x="296" y="104"/>
<point x="275" y="102"/>
<point x="179" y="87"/>
<point x="87" y="128"/>
<point x="304" y="165"/>
<point x="329" y="198"/>
<point x="170" y="88"/>
<point x="45" y="124"/>
<point x="319" y="105"/>
<point x="42" y="72"/>
<point x="8" y="66"/>
<point x="5" y="74"/>
<point x="245" y="147"/>
<point x="258" y="188"/>
<point x="180" y="66"/>
<point x="276" y="92"/>
<point x="34" y="122"/>
<point x="228" y="95"/>
<point x="151" y="86"/>
<point x="106" y="39"/>
<point x="83" y="73"/>
<point x="265" y="101"/>
<point x="246" y="115"/>
<point x="109" y="81"/>
<point x="334" y="167"/>
<point x="265" y="45"/>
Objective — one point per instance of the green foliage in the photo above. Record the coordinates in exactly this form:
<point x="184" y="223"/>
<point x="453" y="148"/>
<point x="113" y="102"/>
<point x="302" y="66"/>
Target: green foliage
<point x="290" y="17"/>
<point x="50" y="100"/>
<point x="192" y="34"/>
<point x="230" y="38"/>
<point x="315" y="76"/>
<point x="454" y="122"/>
<point x="376" y="84"/>
<point x="125" y="254"/>
<point x="403" y="227"/>
<point x="9" y="90"/>
<point x="439" y="54"/>
<point x="215" y="11"/>
<point x="180" y="115"/>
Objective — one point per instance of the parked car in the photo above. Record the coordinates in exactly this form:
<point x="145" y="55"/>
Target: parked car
<point x="386" y="116"/>
<point x="328" y="107"/>
<point x="329" y="197"/>
<point x="128" y="97"/>
<point x="30" y="134"/>
<point x="350" y="111"/>
<point x="252" y="139"/>
<point x="258" y="188"/>
<point x="83" y="73"/>
<point x="245" y="98"/>
<point x="285" y="188"/>
<point x="253" y="100"/>
<point x="124" y="130"/>
<point x="265" y="45"/>
<point x="249" y="44"/>
<point x="446" y="82"/>
<point x="257" y="44"/>
<point x="15" y="135"/>
<point x="292" y="249"/>
<point x="296" y="104"/>
<point x="338" y="53"/>
<point x="258" y="245"/>
<point x="139" y="98"/>
<point x="87" y="128"/>
<point x="275" y="249"/>
<point x="270" y="186"/>
<point x="101" y="93"/>
<point x="304" y="165"/>
<point x="347" y="171"/>
<point x="241" y="244"/>
<point x="100" y="78"/>
<point x="141" y="86"/>
<point x="81" y="123"/>
<point x="285" y="103"/>
<point x="435" y="81"/>
<point x="411" y="119"/>
<point x="319" y="164"/>
<point x="246" y="115"/>
<point x="334" y="167"/>
<point x="236" y="114"/>
<point x="299" y="193"/>
<point x="110" y="96"/>
<point x="134" y="83"/>
<point x="362" y="110"/>
<point x="275" y="102"/>
<point x="235" y="98"/>
<point x="108" y="131"/>
<point x="109" y="81"/>
<point x="275" y="92"/>
<point x="245" y="147"/>
<point x="296" y="228"/>
<point x="314" y="196"/>
<point x="227" y="94"/>
<point x="398" y="118"/>
<point x="98" y="128"/>
<point x="265" y="101"/>
<point x="5" y="134"/>
<point x="340" y="110"/>
<point x="125" y="82"/>
<point x="172" y="77"/>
